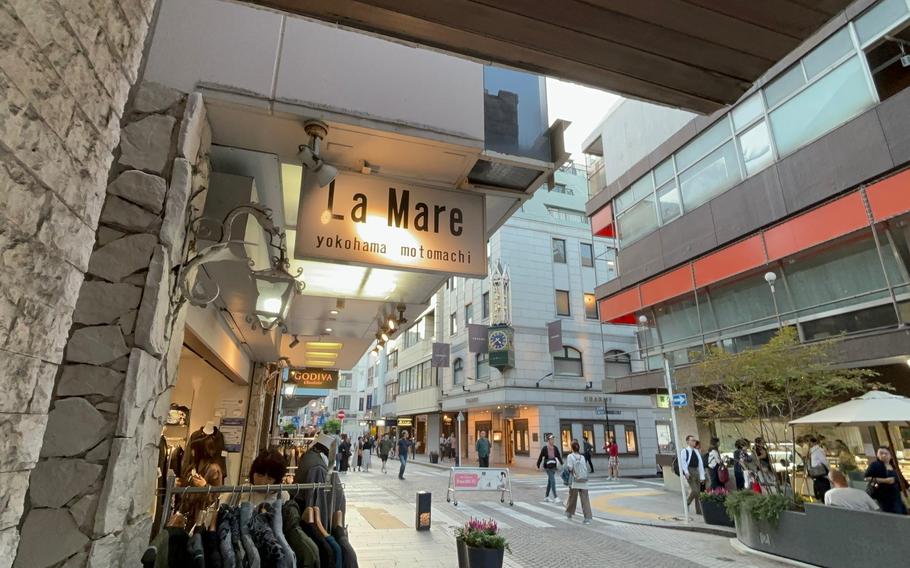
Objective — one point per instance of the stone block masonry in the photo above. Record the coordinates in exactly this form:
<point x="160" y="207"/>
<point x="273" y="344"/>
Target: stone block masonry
<point x="91" y="488"/>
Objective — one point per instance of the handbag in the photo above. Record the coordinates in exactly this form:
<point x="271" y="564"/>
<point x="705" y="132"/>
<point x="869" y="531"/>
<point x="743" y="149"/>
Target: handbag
<point x="818" y="471"/>
<point x="565" y="476"/>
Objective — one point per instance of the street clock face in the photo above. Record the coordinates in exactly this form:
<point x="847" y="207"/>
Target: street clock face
<point x="499" y="340"/>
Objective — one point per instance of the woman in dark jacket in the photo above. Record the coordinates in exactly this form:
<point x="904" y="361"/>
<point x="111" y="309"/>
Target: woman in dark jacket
<point x="345" y="450"/>
<point x="551" y="460"/>
<point x="885" y="483"/>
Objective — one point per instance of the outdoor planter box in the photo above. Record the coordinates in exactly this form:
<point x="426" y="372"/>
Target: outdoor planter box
<point x="830" y="536"/>
<point x="715" y="513"/>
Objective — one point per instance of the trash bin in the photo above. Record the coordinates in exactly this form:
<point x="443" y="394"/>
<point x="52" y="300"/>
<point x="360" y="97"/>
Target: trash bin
<point x="434" y="457"/>
<point x="424" y="506"/>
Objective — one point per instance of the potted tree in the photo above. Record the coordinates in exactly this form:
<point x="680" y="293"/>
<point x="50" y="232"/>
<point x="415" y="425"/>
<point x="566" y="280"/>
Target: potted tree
<point x="713" y="507"/>
<point x="480" y="545"/>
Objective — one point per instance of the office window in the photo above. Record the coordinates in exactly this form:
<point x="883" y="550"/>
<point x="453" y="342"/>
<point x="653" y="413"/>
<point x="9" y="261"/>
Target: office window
<point x="755" y="145"/>
<point x="482" y="365"/>
<point x="393" y="359"/>
<point x="710" y="176"/>
<point x="458" y="371"/>
<point x="559" y="251"/>
<point x="747" y="111"/>
<point x="360" y="404"/>
<point x="879" y="19"/>
<point x="485" y="305"/>
<point x="591" y="307"/>
<point x="568" y="362"/>
<point x="562" y="303"/>
<point x="562" y="188"/>
<point x="468" y="314"/>
<point x="669" y="203"/>
<point x="829" y="102"/>
<point x="570" y="215"/>
<point x="453" y="323"/>
<point x="343" y="402"/>
<point x="587" y="254"/>
<point x="344" y="381"/>
<point x="638" y="221"/>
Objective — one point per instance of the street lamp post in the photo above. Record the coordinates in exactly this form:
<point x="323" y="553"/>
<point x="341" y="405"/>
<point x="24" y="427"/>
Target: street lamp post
<point x="771" y="278"/>
<point x="668" y="383"/>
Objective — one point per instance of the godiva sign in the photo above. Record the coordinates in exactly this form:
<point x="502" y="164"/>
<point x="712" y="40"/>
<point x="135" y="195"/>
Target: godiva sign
<point x="368" y="220"/>
<point x="314" y="378"/>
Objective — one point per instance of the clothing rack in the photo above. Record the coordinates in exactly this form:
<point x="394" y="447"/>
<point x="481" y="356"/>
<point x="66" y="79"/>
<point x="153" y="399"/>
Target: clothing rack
<point x="171" y="490"/>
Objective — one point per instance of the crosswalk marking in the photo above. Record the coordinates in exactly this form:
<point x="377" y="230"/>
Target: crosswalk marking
<point x="527" y="519"/>
<point x="474" y="513"/>
<point x="562" y="507"/>
<point x="537" y="509"/>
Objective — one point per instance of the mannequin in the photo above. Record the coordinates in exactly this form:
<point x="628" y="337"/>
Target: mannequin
<point x="209" y="428"/>
<point x="205" y="447"/>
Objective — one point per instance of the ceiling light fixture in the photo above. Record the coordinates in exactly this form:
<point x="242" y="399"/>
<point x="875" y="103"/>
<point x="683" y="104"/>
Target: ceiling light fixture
<point x="333" y="312"/>
<point x="309" y="157"/>
<point x="391" y="323"/>
<point x="319" y="363"/>
<point x="331" y="345"/>
<point x="295" y="342"/>
<point x="321" y="354"/>
<point x="328" y="330"/>
<point x="401" y="308"/>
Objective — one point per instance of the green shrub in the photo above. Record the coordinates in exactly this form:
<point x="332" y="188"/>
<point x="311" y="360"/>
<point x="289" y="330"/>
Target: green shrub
<point x="332" y="426"/>
<point x="760" y="507"/>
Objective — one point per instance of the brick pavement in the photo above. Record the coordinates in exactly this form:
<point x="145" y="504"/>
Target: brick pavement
<point x="539" y="533"/>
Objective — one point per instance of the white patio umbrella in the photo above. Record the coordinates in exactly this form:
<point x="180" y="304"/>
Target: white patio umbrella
<point x="874" y="407"/>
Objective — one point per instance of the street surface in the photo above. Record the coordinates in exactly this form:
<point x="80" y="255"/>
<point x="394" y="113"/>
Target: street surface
<point x="381" y="518"/>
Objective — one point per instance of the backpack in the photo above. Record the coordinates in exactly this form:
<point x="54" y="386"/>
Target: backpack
<point x="581" y="470"/>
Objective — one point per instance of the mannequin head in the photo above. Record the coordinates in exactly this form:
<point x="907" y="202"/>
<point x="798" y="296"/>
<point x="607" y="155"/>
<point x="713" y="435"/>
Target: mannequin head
<point x="209" y="428"/>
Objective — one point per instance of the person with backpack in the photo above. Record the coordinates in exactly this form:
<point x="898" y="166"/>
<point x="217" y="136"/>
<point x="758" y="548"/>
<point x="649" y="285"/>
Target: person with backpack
<point x="549" y="456"/>
<point x="589" y="451"/>
<point x="690" y="465"/>
<point x="578" y="484"/>
<point x="715" y="465"/>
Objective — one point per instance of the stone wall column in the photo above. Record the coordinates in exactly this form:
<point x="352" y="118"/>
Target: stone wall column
<point x="92" y="490"/>
<point x="66" y="71"/>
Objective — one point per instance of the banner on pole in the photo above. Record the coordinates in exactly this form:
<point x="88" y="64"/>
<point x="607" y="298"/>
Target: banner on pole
<point x="440" y="356"/>
<point x="477" y="338"/>
<point x="554" y="335"/>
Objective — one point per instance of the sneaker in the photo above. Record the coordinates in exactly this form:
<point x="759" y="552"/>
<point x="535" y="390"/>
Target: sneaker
<point x="569" y="516"/>
<point x="587" y="521"/>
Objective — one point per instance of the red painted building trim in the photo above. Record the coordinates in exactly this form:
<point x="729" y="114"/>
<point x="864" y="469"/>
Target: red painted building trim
<point x="890" y="197"/>
<point x="602" y="222"/>
<point x="669" y="285"/>
<point x="730" y="261"/>
<point x="826" y="223"/>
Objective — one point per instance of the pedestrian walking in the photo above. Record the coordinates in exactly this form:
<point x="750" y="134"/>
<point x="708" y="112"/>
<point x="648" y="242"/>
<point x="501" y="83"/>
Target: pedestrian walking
<point x="884" y="483"/>
<point x="453" y="446"/>
<point x="551" y="460"/>
<point x="359" y="450"/>
<point x="385" y="447"/>
<point x="443" y="451"/>
<point x="715" y="462"/>
<point x="483" y="449"/>
<point x="692" y="467"/>
<point x="738" y="454"/>
<point x="818" y="469"/>
<point x="578" y="484"/>
<point x="404" y="444"/>
<point x="368" y="444"/>
<point x="588" y="448"/>
<point x="612" y="449"/>
<point x="345" y="450"/>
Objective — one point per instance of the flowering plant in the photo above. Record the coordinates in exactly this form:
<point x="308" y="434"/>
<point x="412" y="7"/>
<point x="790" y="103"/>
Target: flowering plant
<point x="718" y="495"/>
<point x="482" y="533"/>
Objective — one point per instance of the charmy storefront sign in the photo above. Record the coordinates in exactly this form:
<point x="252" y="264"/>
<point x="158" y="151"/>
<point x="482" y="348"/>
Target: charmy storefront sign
<point x="372" y="221"/>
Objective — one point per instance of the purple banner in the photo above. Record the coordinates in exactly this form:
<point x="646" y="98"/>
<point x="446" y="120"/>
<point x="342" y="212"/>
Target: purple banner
<point x="554" y="335"/>
<point x="477" y="338"/>
<point x="440" y="355"/>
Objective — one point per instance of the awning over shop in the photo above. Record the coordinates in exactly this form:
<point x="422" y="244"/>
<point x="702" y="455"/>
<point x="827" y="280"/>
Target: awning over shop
<point x="874" y="407"/>
<point x="692" y="54"/>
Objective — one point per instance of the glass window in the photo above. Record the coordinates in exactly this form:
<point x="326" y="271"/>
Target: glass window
<point x="710" y="177"/>
<point x="453" y="323"/>
<point x="623" y="201"/>
<point x="827" y="53"/>
<point x="643" y="187"/>
<point x="664" y="172"/>
<point x="469" y="314"/>
<point x="703" y="143"/>
<point x="677" y="320"/>
<point x="565" y="437"/>
<point x="637" y="222"/>
<point x="587" y="254"/>
<point x="590" y="306"/>
<point x="631" y="440"/>
<point x="831" y="101"/>
<point x="782" y="87"/>
<point x="570" y="215"/>
<point x="879" y="19"/>
<point x="458" y="371"/>
<point x="747" y="111"/>
<point x="562" y="303"/>
<point x="482" y="364"/>
<point x="747" y="300"/>
<point x="668" y="202"/>
<point x="568" y="362"/>
<point x="559" y="251"/>
<point x="485" y="305"/>
<point x="755" y="145"/>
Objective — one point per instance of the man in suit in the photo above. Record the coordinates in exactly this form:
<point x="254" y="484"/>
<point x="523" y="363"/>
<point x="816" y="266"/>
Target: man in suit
<point x="692" y="467"/>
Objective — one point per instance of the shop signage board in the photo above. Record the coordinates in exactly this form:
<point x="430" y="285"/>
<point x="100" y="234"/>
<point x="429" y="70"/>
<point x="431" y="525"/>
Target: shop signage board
<point x="554" y="336"/>
<point x="316" y="378"/>
<point x="479" y="479"/>
<point x="405" y="422"/>
<point x="232" y="430"/>
<point x="440" y="355"/>
<point x="373" y="221"/>
<point x="477" y="338"/>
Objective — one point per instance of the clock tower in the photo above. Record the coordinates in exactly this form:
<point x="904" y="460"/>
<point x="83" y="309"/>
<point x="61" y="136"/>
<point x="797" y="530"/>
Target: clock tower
<point x="500" y="335"/>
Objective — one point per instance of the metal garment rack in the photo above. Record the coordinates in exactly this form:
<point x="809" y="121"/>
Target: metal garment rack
<point x="171" y="490"/>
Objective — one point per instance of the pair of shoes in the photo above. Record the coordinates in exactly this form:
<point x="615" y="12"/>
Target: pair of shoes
<point x="587" y="521"/>
<point x="569" y="516"/>
<point x="548" y="499"/>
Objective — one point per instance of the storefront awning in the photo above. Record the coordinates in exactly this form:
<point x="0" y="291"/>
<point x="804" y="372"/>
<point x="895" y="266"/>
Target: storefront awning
<point x="695" y="55"/>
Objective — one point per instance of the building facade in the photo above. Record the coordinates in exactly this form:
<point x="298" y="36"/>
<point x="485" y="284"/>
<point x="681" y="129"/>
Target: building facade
<point x="802" y="184"/>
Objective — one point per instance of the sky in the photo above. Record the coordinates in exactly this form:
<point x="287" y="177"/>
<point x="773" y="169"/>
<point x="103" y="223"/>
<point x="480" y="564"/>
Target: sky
<point x="583" y="106"/>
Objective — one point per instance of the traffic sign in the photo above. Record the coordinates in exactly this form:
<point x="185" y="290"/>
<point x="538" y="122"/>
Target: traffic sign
<point x="341" y="415"/>
<point x="680" y="399"/>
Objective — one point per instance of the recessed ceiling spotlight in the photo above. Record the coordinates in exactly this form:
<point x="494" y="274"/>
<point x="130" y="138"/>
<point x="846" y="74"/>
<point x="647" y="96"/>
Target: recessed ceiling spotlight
<point x="333" y="312"/>
<point x="328" y="330"/>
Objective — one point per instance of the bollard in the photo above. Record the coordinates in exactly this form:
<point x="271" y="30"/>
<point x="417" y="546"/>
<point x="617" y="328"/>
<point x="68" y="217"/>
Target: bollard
<point x="424" y="505"/>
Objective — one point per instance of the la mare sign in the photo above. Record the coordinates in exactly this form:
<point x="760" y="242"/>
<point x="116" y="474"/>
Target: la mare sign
<point x="368" y="220"/>
<point x="314" y="378"/>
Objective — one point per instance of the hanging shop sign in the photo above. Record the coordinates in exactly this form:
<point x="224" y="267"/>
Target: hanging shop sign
<point x="477" y="338"/>
<point x="309" y="377"/>
<point x="405" y="422"/>
<point x="371" y="221"/>
<point x="554" y="336"/>
<point x="440" y="355"/>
